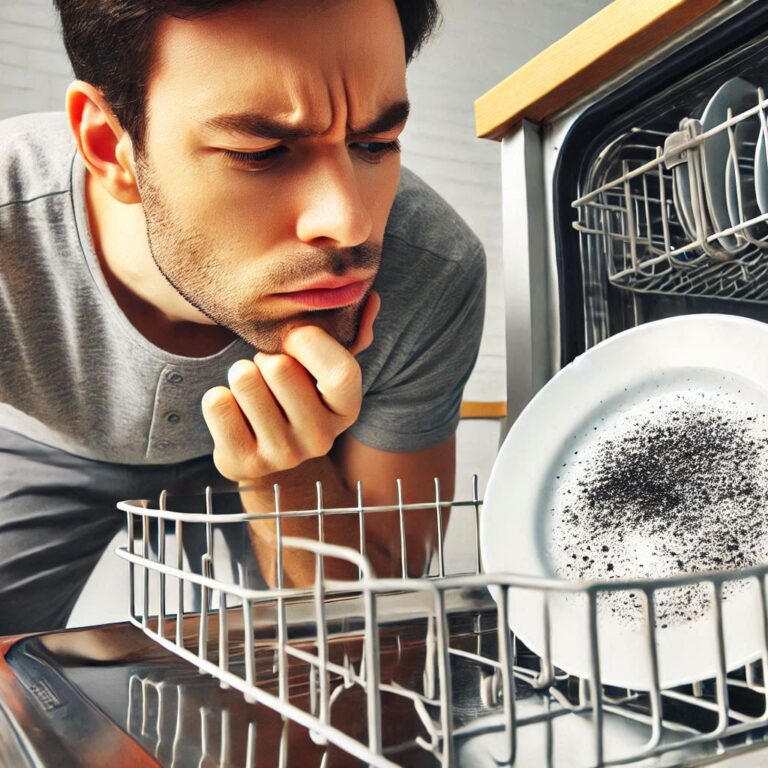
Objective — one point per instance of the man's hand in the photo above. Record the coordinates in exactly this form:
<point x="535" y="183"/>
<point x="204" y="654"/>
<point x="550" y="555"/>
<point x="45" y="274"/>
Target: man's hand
<point x="281" y="410"/>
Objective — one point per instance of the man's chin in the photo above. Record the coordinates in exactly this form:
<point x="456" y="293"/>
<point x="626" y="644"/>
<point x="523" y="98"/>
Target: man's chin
<point x="342" y="324"/>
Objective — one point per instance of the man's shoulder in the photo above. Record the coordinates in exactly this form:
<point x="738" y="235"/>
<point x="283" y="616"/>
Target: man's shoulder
<point x="35" y="150"/>
<point x="421" y="220"/>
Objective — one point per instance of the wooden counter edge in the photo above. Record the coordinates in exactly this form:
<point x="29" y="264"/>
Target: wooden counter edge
<point x="625" y="31"/>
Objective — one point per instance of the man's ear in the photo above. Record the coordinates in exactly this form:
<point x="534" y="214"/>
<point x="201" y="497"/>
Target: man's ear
<point x="105" y="148"/>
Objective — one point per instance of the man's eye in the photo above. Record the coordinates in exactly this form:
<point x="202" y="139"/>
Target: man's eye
<point x="260" y="160"/>
<point x="373" y="151"/>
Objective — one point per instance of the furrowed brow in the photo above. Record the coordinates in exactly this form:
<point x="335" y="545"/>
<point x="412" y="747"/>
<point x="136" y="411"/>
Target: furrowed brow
<point x="260" y="126"/>
<point x="265" y="127"/>
<point x="394" y="115"/>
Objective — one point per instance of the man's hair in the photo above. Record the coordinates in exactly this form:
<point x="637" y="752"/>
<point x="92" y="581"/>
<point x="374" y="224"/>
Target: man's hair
<point x="109" y="43"/>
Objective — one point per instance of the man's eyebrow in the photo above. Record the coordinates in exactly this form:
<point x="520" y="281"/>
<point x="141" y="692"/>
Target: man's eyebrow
<point x="266" y="127"/>
<point x="394" y="115"/>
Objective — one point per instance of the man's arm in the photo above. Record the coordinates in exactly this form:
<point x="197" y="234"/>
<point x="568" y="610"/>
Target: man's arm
<point x="350" y="461"/>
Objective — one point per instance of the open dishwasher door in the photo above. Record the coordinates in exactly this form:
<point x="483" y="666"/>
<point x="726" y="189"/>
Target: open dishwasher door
<point x="619" y="202"/>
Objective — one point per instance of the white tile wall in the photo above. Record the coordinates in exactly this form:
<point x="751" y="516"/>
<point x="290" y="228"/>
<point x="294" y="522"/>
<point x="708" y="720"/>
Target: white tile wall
<point x="34" y="69"/>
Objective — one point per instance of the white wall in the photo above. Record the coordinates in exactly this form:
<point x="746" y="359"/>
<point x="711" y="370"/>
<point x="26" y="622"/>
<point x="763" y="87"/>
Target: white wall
<point x="34" y="69"/>
<point x="479" y="44"/>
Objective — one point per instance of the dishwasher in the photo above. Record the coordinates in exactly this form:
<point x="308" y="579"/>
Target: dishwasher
<point x="608" y="223"/>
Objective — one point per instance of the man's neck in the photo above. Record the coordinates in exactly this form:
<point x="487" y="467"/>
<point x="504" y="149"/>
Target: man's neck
<point x="119" y="239"/>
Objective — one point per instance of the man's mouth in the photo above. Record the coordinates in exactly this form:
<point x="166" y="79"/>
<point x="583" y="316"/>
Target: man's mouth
<point x="329" y="293"/>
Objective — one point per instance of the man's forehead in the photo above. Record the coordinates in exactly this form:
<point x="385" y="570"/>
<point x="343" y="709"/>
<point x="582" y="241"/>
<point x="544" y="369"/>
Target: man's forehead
<point x="297" y="66"/>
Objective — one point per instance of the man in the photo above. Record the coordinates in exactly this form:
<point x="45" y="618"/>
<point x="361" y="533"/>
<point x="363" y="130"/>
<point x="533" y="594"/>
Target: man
<point x="192" y="260"/>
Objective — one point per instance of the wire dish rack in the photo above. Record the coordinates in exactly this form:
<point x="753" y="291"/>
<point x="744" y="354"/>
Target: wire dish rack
<point x="419" y="671"/>
<point x="686" y="212"/>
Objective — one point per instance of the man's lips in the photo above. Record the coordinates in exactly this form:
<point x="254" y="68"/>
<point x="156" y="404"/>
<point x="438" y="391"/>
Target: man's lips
<point x="329" y="293"/>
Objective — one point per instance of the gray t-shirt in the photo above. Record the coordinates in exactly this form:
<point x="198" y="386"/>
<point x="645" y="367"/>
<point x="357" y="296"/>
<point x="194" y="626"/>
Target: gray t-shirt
<point x="75" y="374"/>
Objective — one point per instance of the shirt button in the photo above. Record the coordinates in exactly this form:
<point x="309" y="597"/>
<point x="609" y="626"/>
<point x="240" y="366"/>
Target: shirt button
<point x="173" y="418"/>
<point x="174" y="378"/>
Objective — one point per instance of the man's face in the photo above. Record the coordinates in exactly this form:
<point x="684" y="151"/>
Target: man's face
<point x="319" y="88"/>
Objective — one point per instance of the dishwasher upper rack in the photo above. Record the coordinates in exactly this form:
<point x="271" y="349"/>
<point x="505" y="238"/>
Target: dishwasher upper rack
<point x="632" y="218"/>
<point x="730" y="710"/>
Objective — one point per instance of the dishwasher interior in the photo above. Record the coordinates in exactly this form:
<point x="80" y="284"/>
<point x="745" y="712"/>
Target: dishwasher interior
<point x="660" y="208"/>
<point x="362" y="671"/>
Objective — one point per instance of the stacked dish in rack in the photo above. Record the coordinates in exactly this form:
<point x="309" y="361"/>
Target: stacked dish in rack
<point x="719" y="166"/>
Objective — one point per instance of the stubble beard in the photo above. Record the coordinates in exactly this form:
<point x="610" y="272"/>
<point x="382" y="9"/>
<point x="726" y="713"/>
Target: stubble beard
<point x="190" y="263"/>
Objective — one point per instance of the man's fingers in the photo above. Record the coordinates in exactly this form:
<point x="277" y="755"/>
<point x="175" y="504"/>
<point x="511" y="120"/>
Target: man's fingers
<point x="364" y="337"/>
<point x="337" y="373"/>
<point x="226" y="423"/>
<point x="257" y="402"/>
<point x="290" y="384"/>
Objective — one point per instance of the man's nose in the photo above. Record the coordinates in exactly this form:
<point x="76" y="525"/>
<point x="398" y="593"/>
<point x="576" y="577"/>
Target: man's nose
<point x="331" y="206"/>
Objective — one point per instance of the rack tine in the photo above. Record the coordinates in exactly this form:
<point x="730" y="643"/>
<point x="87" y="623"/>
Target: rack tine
<point x="439" y="517"/>
<point x="322" y="645"/>
<point x="250" y="674"/>
<point x="444" y="676"/>
<point x="655" y="691"/>
<point x="282" y="759"/>
<point x="208" y="511"/>
<point x="180" y="585"/>
<point x="721" y="679"/>
<point x="476" y="503"/>
<point x="663" y="202"/>
<point x="372" y="659"/>
<point x="282" y="656"/>
<point x="131" y="569"/>
<point x="596" y="687"/>
<point x="161" y="558"/>
<point x="207" y="570"/>
<point x="223" y="636"/>
<point x="764" y="627"/>
<point x="145" y="557"/>
<point x="547" y="671"/>
<point x="361" y="521"/>
<point x="203" y="733"/>
<point x="320" y="512"/>
<point x="208" y="557"/>
<point x="430" y="659"/>
<point x="250" y="747"/>
<point x="401" y="520"/>
<point x="506" y="660"/>
<point x="225" y="752"/>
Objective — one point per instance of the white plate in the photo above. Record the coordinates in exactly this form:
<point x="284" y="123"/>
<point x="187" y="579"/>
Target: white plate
<point x="745" y="139"/>
<point x="738" y="95"/>
<point x="761" y="174"/>
<point x="681" y="197"/>
<point x="721" y="360"/>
